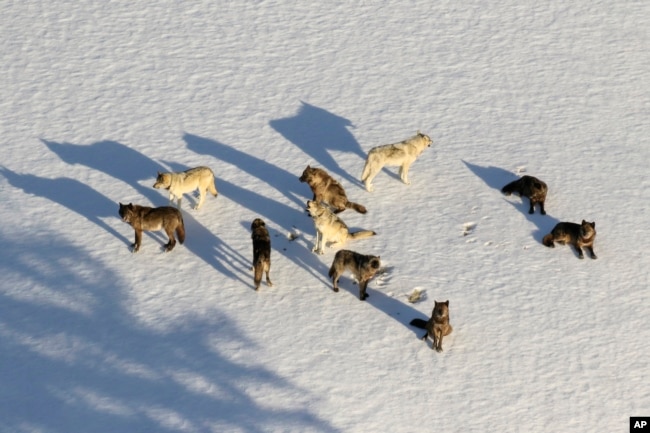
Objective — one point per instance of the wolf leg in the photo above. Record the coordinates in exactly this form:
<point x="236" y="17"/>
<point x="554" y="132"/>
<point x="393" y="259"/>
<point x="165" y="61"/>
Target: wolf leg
<point x="591" y="252"/>
<point x="581" y="255"/>
<point x="138" y="241"/>
<point x="362" y="290"/>
<point x="404" y="173"/>
<point x="172" y="240"/>
<point x="201" y="198"/>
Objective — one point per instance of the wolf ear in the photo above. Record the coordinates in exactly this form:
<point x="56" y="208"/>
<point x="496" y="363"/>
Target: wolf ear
<point x="446" y="302"/>
<point x="584" y="222"/>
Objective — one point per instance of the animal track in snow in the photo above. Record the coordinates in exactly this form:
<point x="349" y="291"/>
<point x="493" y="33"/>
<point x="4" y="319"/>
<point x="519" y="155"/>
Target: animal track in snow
<point x="468" y="228"/>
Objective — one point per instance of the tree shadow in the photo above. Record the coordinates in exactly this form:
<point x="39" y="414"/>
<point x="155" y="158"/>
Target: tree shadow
<point x="114" y="159"/>
<point x="285" y="182"/>
<point x="497" y="178"/>
<point x="318" y="132"/>
<point x="75" y="359"/>
<point x="71" y="194"/>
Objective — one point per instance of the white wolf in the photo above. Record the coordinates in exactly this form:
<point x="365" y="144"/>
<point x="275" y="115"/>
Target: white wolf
<point x="330" y="228"/>
<point x="398" y="154"/>
<point x="201" y="178"/>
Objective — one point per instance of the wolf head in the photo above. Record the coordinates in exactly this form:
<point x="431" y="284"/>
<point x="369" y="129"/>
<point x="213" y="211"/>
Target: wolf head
<point x="257" y="223"/>
<point x="440" y="311"/>
<point x="424" y="138"/>
<point x="126" y="212"/>
<point x="164" y="180"/>
<point x="315" y="209"/>
<point x="375" y="262"/>
<point x="587" y="229"/>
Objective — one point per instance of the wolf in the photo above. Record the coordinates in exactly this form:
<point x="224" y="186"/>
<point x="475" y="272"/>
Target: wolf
<point x="401" y="154"/>
<point x="261" y="252"/>
<point x="327" y="190"/>
<point x="437" y="326"/>
<point x="578" y="235"/>
<point x="201" y="178"/>
<point x="330" y="228"/>
<point x="143" y="218"/>
<point x="531" y="187"/>
<point x="364" y="267"/>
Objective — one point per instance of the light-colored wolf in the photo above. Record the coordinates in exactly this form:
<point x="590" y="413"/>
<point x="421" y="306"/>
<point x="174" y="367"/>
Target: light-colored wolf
<point x="401" y="154"/>
<point x="437" y="326"/>
<point x="327" y="190"/>
<point x="331" y="228"/>
<point x="201" y="178"/>
<point x="578" y="235"/>
<point x="261" y="252"/>
<point x="362" y="266"/>
<point x="144" y="218"/>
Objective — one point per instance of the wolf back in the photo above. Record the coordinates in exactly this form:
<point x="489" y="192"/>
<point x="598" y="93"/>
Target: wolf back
<point x="401" y="154"/>
<point x="330" y="228"/>
<point x="201" y="178"/>
<point x="144" y="218"/>
<point x="261" y="252"/>
<point x="437" y="326"/>
<point x="327" y="190"/>
<point x="364" y="267"/>
<point x="532" y="188"/>
<point x="577" y="235"/>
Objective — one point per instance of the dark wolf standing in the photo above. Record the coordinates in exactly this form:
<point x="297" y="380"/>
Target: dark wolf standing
<point x="531" y="187"/>
<point x="261" y="252"/>
<point x="578" y="235"/>
<point x="143" y="218"/>
<point x="437" y="326"/>
<point x="327" y="190"/>
<point x="364" y="267"/>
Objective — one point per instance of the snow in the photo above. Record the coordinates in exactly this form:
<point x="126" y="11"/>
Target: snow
<point x="97" y="97"/>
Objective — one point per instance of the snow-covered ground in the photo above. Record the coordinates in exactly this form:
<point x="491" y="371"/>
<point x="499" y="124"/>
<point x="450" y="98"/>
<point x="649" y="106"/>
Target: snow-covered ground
<point x="98" y="96"/>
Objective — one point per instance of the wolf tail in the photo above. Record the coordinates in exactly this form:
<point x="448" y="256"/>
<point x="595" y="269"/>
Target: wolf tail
<point x="332" y="271"/>
<point x="356" y="206"/>
<point x="418" y="323"/>
<point x="362" y="234"/>
<point x="259" y="270"/>
<point x="180" y="231"/>
<point x="548" y="240"/>
<point x="212" y="187"/>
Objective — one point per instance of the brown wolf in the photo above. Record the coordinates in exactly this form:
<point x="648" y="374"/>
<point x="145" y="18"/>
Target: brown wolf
<point x="327" y="190"/>
<point x="331" y="228"/>
<point x="143" y="218"/>
<point x="578" y="235"/>
<point x="531" y="187"/>
<point x="201" y="178"/>
<point x="364" y="267"/>
<point x="261" y="252"/>
<point x="437" y="326"/>
<point x="401" y="154"/>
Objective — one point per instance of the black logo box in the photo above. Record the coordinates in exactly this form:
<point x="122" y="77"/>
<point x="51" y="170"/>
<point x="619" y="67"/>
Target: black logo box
<point x="639" y="424"/>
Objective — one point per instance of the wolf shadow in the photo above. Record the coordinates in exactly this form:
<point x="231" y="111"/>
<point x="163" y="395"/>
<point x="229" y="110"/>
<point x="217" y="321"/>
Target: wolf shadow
<point x="116" y="160"/>
<point x="318" y="132"/>
<point x="69" y="193"/>
<point x="497" y="178"/>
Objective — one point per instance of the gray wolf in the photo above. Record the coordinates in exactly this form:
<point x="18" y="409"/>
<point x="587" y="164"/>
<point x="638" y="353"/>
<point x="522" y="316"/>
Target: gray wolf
<point x="261" y="252"/>
<point x="401" y="154"/>
<point x="327" y="190"/>
<point x="437" y="326"/>
<point x="578" y="235"/>
<point x="201" y="178"/>
<point x="531" y="187"/>
<point x="364" y="267"/>
<point x="330" y="228"/>
<point x="143" y="218"/>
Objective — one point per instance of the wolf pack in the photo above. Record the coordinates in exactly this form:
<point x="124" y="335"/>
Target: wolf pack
<point x="328" y="201"/>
